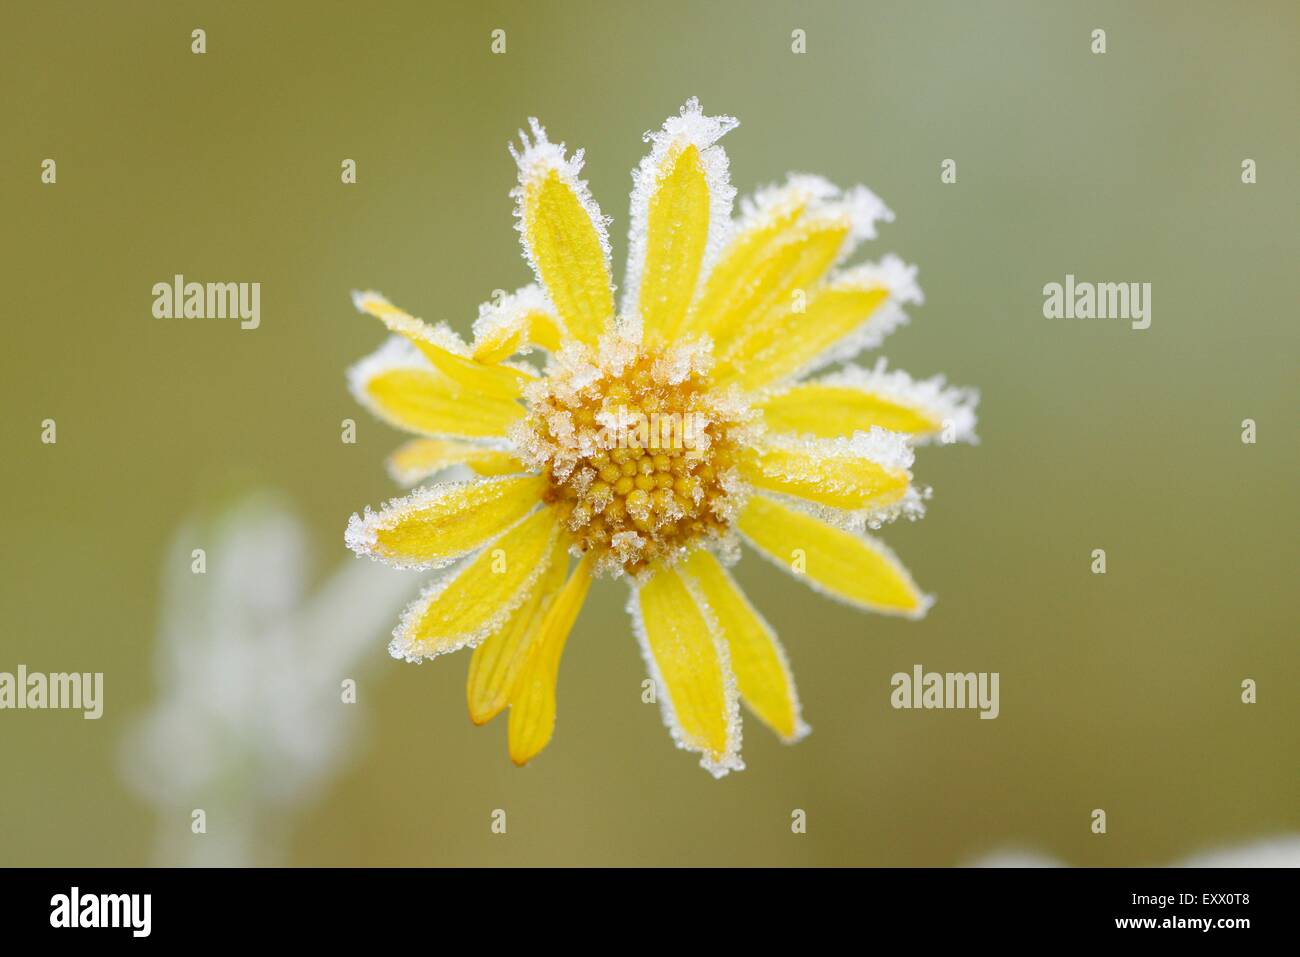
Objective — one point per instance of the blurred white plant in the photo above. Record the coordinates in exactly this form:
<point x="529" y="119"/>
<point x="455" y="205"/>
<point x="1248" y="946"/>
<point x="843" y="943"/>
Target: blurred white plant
<point x="1279" y="850"/>
<point x="250" y="720"/>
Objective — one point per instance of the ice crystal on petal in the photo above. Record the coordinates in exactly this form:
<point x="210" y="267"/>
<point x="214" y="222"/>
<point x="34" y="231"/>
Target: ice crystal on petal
<point x="799" y="189"/>
<point x="892" y="274"/>
<point x="363" y="529"/>
<point x="538" y="156"/>
<point x="729" y="761"/>
<point x="406" y="645"/>
<point x="926" y="601"/>
<point x="395" y="353"/>
<point x="953" y="406"/>
<point x="690" y="128"/>
<point x="438" y="334"/>
<point x="820" y="199"/>
<point x="726" y="548"/>
<point x="801" y="729"/>
<point x="911" y="507"/>
<point x="694" y="357"/>
<point x="864" y="209"/>
<point x="890" y="450"/>
<point x="500" y="318"/>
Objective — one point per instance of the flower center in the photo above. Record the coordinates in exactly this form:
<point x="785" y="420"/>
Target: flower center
<point x="640" y="450"/>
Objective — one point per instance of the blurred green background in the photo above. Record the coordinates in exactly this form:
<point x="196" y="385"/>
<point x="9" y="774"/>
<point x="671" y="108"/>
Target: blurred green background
<point x="1118" y="691"/>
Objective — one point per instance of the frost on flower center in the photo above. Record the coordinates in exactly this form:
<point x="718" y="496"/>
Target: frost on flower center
<point x="639" y="447"/>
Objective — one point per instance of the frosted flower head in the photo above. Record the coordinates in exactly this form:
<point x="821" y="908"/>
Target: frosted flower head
<point x="641" y="453"/>
<point x="659" y="433"/>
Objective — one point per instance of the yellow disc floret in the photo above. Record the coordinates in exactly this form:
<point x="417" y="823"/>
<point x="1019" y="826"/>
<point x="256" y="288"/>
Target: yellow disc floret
<point x="639" y="450"/>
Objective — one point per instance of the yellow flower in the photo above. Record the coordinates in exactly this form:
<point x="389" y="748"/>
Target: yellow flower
<point x="658" y="436"/>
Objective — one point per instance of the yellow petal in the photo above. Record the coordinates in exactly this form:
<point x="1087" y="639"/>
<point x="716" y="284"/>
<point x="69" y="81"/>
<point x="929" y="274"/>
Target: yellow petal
<point x="532" y="700"/>
<point x="787" y="340"/>
<point x="445" y="351"/>
<point x="678" y="229"/>
<point x="787" y="240"/>
<point x="478" y="599"/>
<point x="544" y="330"/>
<point x="681" y="204"/>
<point x="852" y="567"/>
<point x="829" y="410"/>
<point x="397" y="386"/>
<point x="564" y="235"/>
<point x="688" y="659"/>
<point x="757" y="658"/>
<point x="853" y="311"/>
<point x="755" y="237"/>
<point x="857" y="399"/>
<point x="798" y="262"/>
<point x="866" y="471"/>
<point x="497" y="662"/>
<point x="515" y="323"/>
<point x="416" y="460"/>
<point x="435" y="525"/>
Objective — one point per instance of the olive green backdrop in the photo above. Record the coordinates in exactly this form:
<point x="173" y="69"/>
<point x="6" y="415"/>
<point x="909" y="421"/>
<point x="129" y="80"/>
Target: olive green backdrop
<point x="1118" y="691"/>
